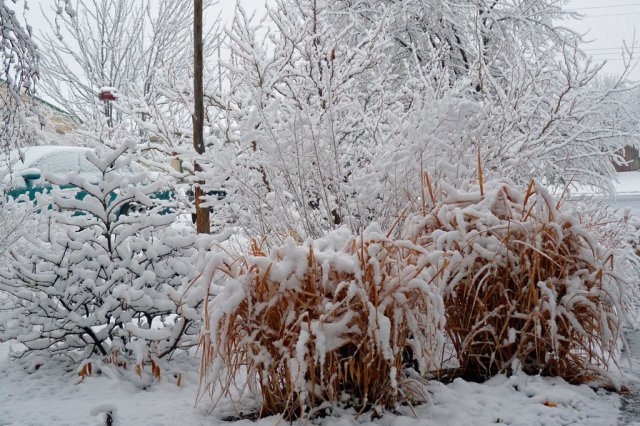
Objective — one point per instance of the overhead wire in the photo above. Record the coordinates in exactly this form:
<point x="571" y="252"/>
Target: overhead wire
<point x="609" y="15"/>
<point x="611" y="6"/>
<point x="609" y="54"/>
<point x="617" y="48"/>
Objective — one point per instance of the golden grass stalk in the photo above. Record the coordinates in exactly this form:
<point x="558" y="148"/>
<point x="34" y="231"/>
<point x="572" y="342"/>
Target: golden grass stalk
<point x="323" y="324"/>
<point x="527" y="286"/>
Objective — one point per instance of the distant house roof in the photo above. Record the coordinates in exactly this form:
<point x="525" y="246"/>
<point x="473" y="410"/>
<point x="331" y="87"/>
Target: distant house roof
<point x="53" y="107"/>
<point x="63" y="121"/>
<point x="47" y="104"/>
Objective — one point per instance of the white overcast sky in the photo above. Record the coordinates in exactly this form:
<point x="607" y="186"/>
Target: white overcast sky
<point x="607" y="23"/>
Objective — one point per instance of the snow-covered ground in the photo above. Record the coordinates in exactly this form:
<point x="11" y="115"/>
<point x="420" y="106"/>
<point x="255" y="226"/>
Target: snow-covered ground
<point x="626" y="184"/>
<point x="630" y="402"/>
<point x="627" y="190"/>
<point x="52" y="396"/>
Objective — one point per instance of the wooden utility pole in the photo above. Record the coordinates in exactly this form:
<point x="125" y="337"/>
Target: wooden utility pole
<point x="203" y="222"/>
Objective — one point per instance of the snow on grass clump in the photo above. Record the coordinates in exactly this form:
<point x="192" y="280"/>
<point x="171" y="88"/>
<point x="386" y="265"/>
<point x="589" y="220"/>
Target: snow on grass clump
<point x="526" y="284"/>
<point x="328" y="323"/>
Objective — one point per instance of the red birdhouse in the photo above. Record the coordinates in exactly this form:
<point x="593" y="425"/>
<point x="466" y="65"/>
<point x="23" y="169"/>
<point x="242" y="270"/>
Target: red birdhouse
<point x="107" y="96"/>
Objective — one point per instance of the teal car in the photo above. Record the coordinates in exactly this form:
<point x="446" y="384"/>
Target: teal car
<point x="22" y="172"/>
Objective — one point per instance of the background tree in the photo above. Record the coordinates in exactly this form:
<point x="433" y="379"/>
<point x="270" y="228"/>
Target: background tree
<point x="19" y="56"/>
<point x="536" y="91"/>
<point x="139" y="52"/>
<point x="297" y="121"/>
<point x="333" y="118"/>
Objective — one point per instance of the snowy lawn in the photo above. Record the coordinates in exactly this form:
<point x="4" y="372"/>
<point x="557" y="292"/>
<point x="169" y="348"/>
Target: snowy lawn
<point x="628" y="183"/>
<point x="627" y="192"/>
<point x="52" y="397"/>
<point x="625" y="184"/>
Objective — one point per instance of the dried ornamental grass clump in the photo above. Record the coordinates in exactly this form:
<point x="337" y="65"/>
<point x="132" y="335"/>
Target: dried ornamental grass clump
<point x="327" y="323"/>
<point x="526" y="285"/>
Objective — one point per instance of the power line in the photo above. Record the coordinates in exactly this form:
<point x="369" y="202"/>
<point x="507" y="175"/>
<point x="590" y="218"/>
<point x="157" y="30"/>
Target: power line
<point x="604" y="49"/>
<point x="610" y="14"/>
<point x="618" y="58"/>
<point x="611" y="6"/>
<point x="601" y="53"/>
<point x="577" y="9"/>
<point x="603" y="56"/>
<point x="634" y="60"/>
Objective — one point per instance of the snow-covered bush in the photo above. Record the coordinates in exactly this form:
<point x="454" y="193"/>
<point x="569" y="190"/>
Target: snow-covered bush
<point x="332" y="321"/>
<point x="298" y="124"/>
<point x="19" y="56"/>
<point x="100" y="280"/>
<point x="16" y="218"/>
<point x="527" y="285"/>
<point x="329" y="120"/>
<point x="618" y="231"/>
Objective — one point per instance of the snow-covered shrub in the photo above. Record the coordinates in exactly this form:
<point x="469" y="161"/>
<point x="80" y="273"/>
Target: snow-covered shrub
<point x="618" y="231"/>
<point x="20" y="63"/>
<point x="328" y="322"/>
<point x="99" y="281"/>
<point x="526" y="284"/>
<point x="16" y="218"/>
<point x="330" y="120"/>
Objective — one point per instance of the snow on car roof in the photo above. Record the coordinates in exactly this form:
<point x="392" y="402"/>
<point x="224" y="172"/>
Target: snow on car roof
<point x="31" y="155"/>
<point x="47" y="159"/>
